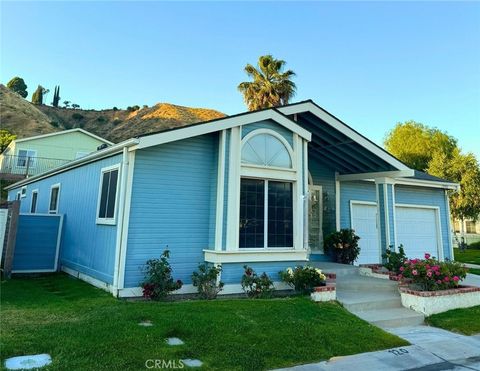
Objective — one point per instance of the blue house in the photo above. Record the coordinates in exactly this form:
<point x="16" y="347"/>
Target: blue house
<point x="260" y="188"/>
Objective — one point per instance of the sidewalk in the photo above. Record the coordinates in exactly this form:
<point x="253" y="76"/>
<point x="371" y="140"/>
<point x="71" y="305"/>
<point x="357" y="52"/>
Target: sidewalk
<point x="431" y="349"/>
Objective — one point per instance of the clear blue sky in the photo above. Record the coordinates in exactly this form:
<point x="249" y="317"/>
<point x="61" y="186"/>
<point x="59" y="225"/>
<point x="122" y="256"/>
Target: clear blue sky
<point x="371" y="64"/>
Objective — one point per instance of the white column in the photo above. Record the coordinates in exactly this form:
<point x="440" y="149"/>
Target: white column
<point x="233" y="211"/>
<point x="220" y="192"/>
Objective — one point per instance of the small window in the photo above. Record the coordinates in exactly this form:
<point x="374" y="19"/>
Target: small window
<point x="18" y="196"/>
<point x="54" y="197"/>
<point x="266" y="150"/>
<point x="456" y="226"/>
<point x="108" y="195"/>
<point x="26" y="157"/>
<point x="33" y="206"/>
<point x="470" y="226"/>
<point x="23" y="192"/>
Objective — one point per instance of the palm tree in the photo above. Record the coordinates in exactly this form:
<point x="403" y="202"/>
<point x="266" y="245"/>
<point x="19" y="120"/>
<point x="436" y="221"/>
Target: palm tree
<point x="271" y="87"/>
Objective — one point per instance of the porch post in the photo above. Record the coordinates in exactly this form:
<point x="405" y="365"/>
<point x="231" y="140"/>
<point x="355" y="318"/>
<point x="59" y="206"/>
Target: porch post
<point x="386" y="212"/>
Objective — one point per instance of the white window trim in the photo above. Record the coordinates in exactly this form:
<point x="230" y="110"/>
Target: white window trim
<point x="255" y="255"/>
<point x="108" y="221"/>
<point x="265" y="219"/>
<point x="36" y="202"/>
<point x="23" y="192"/>
<point x="56" y="185"/>
<point x="27" y="150"/>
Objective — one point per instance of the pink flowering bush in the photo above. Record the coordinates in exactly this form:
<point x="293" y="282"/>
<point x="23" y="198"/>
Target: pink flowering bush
<point x="429" y="274"/>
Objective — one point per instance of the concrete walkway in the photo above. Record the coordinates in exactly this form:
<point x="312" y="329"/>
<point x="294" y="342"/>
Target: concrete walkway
<point x="432" y="349"/>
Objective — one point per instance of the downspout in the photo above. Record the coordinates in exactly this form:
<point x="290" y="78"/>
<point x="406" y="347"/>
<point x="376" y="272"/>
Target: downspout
<point x="121" y="210"/>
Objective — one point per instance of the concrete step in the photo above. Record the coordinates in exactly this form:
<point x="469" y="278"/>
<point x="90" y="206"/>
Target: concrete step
<point x="365" y="284"/>
<point x="361" y="300"/>
<point x="391" y="317"/>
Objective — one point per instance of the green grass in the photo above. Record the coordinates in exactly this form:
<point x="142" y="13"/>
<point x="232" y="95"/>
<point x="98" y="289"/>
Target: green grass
<point x="471" y="256"/>
<point x="84" y="328"/>
<point x="464" y="321"/>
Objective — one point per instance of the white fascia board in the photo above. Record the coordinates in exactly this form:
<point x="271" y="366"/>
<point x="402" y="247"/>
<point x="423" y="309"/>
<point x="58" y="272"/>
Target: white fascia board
<point x="375" y="175"/>
<point x="222" y="124"/>
<point x="428" y="183"/>
<point x="340" y="126"/>
<point x="65" y="132"/>
<point x="94" y="156"/>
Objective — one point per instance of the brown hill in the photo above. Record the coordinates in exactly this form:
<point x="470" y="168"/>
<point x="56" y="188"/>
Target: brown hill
<point x="21" y="117"/>
<point x="25" y="119"/>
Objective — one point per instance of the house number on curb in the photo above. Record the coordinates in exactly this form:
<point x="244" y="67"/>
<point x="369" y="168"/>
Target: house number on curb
<point x="398" y="352"/>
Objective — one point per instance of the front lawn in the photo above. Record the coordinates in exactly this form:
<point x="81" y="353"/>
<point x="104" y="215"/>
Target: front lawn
<point x="471" y="256"/>
<point x="465" y="321"/>
<point x="84" y="328"/>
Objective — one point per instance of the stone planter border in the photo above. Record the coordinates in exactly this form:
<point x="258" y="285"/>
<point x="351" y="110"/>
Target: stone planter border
<point x="377" y="271"/>
<point x="327" y="292"/>
<point x="432" y="302"/>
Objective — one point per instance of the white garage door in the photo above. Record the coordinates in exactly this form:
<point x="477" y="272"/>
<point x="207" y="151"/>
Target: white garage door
<point x="417" y="231"/>
<point x="364" y="223"/>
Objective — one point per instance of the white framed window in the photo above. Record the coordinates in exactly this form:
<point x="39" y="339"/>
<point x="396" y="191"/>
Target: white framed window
<point x="19" y="194"/>
<point x="265" y="148"/>
<point x="26" y="157"/>
<point x="470" y="226"/>
<point x="266" y="214"/>
<point x="23" y="192"/>
<point x="54" y="199"/>
<point x="33" y="204"/>
<point x="81" y="154"/>
<point x="108" y="195"/>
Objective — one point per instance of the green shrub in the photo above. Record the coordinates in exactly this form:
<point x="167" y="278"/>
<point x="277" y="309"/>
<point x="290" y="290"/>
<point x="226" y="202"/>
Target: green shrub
<point x="116" y="121"/>
<point x="54" y="124"/>
<point x="429" y="274"/>
<point x="115" y="108"/>
<point x="343" y="246"/>
<point x="77" y="116"/>
<point x="206" y="281"/>
<point x="474" y="245"/>
<point x="256" y="286"/>
<point x="101" y="119"/>
<point x="394" y="260"/>
<point x="133" y="108"/>
<point x="303" y="279"/>
<point x="158" y="278"/>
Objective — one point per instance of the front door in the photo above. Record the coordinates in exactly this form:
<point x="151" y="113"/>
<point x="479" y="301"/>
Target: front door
<point x="364" y="223"/>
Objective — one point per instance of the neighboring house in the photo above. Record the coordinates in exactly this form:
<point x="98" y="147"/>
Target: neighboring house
<point x="260" y="188"/>
<point x="30" y="156"/>
<point x="468" y="229"/>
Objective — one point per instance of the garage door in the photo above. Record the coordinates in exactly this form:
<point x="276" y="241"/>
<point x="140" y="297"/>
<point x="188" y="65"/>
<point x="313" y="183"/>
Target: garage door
<point x="364" y="222"/>
<point x="417" y="231"/>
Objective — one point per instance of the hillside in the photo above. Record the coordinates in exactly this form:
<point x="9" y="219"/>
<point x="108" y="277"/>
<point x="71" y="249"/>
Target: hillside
<point x="25" y="119"/>
<point x="21" y="117"/>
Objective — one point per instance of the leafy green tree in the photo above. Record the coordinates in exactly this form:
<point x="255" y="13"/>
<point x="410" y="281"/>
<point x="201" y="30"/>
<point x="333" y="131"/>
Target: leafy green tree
<point x="465" y="170"/>
<point x="415" y="144"/>
<point x="271" y="87"/>
<point x="5" y="138"/>
<point x="18" y="86"/>
<point x="66" y="104"/>
<point x="37" y="96"/>
<point x="75" y="106"/>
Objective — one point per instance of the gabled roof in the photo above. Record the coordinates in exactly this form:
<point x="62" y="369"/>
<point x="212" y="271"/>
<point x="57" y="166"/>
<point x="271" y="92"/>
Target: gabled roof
<point x="64" y="132"/>
<point x="222" y="123"/>
<point x="339" y="143"/>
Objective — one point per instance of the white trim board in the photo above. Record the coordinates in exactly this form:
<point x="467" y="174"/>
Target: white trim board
<point x="222" y="124"/>
<point x="89" y="279"/>
<point x="255" y="255"/>
<point x="343" y="128"/>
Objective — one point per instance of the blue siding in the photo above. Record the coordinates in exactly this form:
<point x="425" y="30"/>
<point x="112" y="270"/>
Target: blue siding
<point x="86" y="247"/>
<point x="357" y="191"/>
<point x="171" y="206"/>
<point x="381" y="210"/>
<point x="269" y="124"/>
<point x="36" y="244"/>
<point x="324" y="176"/>
<point x="232" y="272"/>
<point x="429" y="197"/>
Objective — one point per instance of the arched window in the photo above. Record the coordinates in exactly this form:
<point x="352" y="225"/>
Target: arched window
<point x="264" y="149"/>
